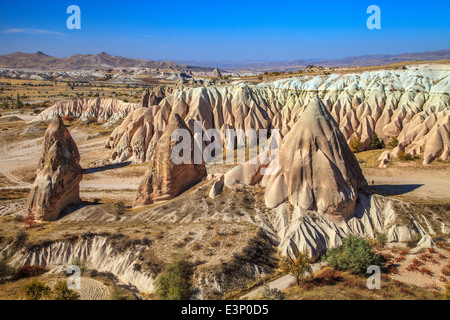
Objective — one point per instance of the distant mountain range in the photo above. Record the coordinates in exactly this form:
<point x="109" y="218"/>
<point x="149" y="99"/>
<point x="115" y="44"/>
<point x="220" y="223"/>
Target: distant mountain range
<point x="101" y="61"/>
<point x="356" y="61"/>
<point x="104" y="61"/>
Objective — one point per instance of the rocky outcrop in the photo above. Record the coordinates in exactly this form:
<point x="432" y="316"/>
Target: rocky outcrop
<point x="156" y="95"/>
<point x="216" y="73"/>
<point x="165" y="179"/>
<point x="413" y="105"/>
<point x="313" y="68"/>
<point x="133" y="136"/>
<point x="217" y="187"/>
<point x="85" y="108"/>
<point x="316" y="169"/>
<point x="424" y="243"/>
<point x="297" y="230"/>
<point x="315" y="191"/>
<point x="58" y="174"/>
<point x="384" y="158"/>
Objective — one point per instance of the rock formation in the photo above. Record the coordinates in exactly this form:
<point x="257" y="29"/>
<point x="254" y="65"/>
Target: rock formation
<point x="133" y="136"/>
<point x="413" y="105"/>
<point x="217" y="186"/>
<point x="316" y="169"/>
<point x="384" y="158"/>
<point x="101" y="254"/>
<point x="84" y="108"/>
<point x="315" y="191"/>
<point x="216" y="73"/>
<point x="313" y="68"/>
<point x="165" y="179"/>
<point x="58" y="176"/>
<point x="102" y="109"/>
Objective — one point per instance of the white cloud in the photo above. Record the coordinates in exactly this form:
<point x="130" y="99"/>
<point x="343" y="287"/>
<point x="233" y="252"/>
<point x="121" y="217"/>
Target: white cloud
<point x="32" y="31"/>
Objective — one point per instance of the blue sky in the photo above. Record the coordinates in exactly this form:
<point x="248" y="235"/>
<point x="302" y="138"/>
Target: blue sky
<point x="224" y="30"/>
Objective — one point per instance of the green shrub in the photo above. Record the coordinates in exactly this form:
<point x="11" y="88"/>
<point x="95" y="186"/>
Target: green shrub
<point x="175" y="282"/>
<point x="34" y="290"/>
<point x="355" y="255"/>
<point x="118" y="293"/>
<point x="62" y="292"/>
<point x="403" y="156"/>
<point x="266" y="293"/>
<point x="392" y="143"/>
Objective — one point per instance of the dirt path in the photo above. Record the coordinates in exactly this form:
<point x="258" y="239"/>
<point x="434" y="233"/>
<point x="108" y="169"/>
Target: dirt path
<point x="415" y="183"/>
<point x="92" y="290"/>
<point x="281" y="283"/>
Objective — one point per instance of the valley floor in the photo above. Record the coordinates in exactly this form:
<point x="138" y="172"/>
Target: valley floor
<point x="109" y="184"/>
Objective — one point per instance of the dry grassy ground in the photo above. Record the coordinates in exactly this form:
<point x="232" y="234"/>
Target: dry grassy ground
<point x="407" y="180"/>
<point x="353" y="287"/>
<point x="40" y="90"/>
<point x="214" y="233"/>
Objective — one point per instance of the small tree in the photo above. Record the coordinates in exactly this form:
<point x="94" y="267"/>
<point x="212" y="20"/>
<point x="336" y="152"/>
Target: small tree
<point x="298" y="267"/>
<point x="355" y="145"/>
<point x="19" y="103"/>
<point x="34" y="290"/>
<point x="375" y="142"/>
<point x="393" y="142"/>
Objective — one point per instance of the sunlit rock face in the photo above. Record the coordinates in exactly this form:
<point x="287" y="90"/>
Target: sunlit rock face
<point x="317" y="171"/>
<point x="57" y="183"/>
<point x="412" y="104"/>
<point x="164" y="178"/>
